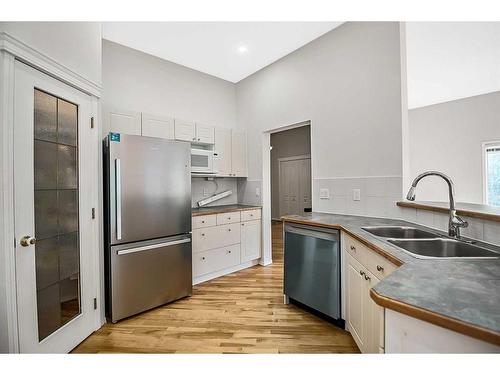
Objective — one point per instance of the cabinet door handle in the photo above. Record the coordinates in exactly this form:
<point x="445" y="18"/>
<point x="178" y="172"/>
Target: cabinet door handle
<point x="229" y="230"/>
<point x="229" y="252"/>
<point x="202" y="258"/>
<point x="203" y="221"/>
<point x="380" y="268"/>
<point x="203" y="234"/>
<point x="353" y="248"/>
<point x="362" y="273"/>
<point x="367" y="277"/>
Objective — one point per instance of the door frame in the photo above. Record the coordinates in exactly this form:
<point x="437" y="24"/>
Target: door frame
<point x="290" y="158"/>
<point x="266" y="184"/>
<point x="11" y="50"/>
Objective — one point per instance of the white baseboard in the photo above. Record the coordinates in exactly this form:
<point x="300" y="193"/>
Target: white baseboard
<point x="226" y="271"/>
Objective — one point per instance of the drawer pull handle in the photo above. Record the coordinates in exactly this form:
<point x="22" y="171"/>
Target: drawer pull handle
<point x="203" y="234"/>
<point x="202" y="258"/>
<point x="362" y="273"/>
<point x="380" y="268"/>
<point x="203" y="221"/>
<point x="229" y="230"/>
<point x="353" y="247"/>
<point x="367" y="277"/>
<point x="242" y="224"/>
<point x="229" y="252"/>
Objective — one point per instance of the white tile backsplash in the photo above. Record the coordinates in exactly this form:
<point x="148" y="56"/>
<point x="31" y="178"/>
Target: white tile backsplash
<point x="198" y="184"/>
<point x="378" y="195"/>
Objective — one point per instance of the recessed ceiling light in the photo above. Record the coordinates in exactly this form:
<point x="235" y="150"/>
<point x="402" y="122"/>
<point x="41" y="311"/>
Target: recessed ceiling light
<point x="242" y="49"/>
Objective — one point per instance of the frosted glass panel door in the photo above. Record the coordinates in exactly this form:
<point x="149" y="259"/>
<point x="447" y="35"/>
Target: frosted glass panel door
<point x="54" y="163"/>
<point x="57" y="257"/>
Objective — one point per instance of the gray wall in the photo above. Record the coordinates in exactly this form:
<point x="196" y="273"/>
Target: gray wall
<point x="76" y="45"/>
<point x="448" y="137"/>
<point x="348" y="83"/>
<point x="293" y="142"/>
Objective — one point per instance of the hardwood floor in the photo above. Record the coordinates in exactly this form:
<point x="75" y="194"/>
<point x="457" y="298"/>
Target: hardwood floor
<point x="239" y="313"/>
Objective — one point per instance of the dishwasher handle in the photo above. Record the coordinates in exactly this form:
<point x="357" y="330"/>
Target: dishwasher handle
<point x="322" y="233"/>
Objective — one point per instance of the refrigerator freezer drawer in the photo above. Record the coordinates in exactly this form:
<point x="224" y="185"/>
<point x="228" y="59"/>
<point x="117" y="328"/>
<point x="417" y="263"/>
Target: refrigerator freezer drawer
<point x="149" y="274"/>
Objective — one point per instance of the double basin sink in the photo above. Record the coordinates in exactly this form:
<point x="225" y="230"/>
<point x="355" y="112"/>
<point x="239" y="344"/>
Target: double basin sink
<point x="425" y="244"/>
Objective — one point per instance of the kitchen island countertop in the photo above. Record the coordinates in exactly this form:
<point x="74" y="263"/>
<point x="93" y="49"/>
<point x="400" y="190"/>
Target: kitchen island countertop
<point x="457" y="294"/>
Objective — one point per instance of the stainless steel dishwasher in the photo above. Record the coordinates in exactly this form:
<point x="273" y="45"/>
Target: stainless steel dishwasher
<point x="312" y="268"/>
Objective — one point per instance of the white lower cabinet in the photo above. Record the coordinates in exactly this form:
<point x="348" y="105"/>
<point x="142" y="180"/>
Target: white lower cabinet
<point x="224" y="243"/>
<point x="364" y="318"/>
<point x="214" y="260"/>
<point x="250" y="240"/>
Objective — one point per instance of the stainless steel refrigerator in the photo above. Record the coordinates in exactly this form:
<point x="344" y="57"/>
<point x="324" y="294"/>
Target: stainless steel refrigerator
<point x="147" y="198"/>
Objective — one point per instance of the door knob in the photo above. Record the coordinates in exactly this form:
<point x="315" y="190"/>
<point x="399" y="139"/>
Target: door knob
<point x="27" y="240"/>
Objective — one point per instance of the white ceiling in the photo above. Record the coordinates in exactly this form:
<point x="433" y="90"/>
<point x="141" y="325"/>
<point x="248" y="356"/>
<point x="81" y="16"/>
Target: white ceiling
<point x="213" y="47"/>
<point x="451" y="60"/>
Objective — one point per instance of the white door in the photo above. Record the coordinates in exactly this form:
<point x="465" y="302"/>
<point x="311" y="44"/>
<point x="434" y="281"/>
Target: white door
<point x="294" y="185"/>
<point x="55" y="164"/>
<point x="204" y="134"/>
<point x="239" y="153"/>
<point x="223" y="150"/>
<point x="250" y="240"/>
<point x="184" y="130"/>
<point x="127" y="122"/>
<point x="157" y="126"/>
<point x="356" y="288"/>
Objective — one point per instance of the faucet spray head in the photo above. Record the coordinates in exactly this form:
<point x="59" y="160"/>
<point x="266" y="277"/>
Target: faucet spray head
<point x="411" y="194"/>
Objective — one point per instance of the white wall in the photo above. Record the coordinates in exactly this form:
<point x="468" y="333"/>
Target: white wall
<point x="448" y="137"/>
<point x="136" y="81"/>
<point x="348" y="83"/>
<point x="140" y="82"/>
<point x="451" y="60"/>
<point x="76" y="45"/>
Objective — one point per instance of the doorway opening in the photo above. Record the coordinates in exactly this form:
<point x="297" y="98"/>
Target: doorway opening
<point x="290" y="164"/>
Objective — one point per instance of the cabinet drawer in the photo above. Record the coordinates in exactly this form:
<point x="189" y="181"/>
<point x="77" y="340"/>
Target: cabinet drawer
<point x="250" y="215"/>
<point x="215" y="237"/>
<point x="204" y="221"/>
<point x="228" y="218"/>
<point x="374" y="262"/>
<point x="378" y="265"/>
<point x="215" y="260"/>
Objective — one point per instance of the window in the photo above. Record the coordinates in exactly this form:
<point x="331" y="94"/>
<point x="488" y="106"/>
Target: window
<point x="492" y="173"/>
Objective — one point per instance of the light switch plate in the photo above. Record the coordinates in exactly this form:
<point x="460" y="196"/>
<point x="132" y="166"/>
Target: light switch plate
<point x="324" y="193"/>
<point x="356" y="194"/>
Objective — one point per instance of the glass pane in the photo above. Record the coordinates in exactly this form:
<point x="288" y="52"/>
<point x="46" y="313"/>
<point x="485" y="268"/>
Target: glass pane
<point x="45" y="116"/>
<point x="57" y="254"/>
<point x="66" y="122"/>
<point x="493" y="163"/>
<point x="199" y="161"/>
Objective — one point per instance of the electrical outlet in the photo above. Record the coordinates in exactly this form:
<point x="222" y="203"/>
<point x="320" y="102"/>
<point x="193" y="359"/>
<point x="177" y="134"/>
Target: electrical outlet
<point x="257" y="192"/>
<point x="205" y="192"/>
<point x="324" y="193"/>
<point x="356" y="194"/>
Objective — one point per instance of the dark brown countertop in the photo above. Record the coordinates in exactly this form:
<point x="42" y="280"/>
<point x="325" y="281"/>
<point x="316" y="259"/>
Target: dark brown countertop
<point x="458" y="294"/>
<point x="211" y="210"/>
<point x="480" y="211"/>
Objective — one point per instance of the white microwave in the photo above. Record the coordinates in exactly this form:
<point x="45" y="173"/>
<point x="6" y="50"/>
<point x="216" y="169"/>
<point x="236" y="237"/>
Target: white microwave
<point x="202" y="161"/>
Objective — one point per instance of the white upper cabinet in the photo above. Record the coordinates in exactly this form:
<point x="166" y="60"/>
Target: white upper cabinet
<point x="185" y="130"/>
<point x="126" y="122"/>
<point x="204" y="134"/>
<point x="239" y="153"/>
<point x="222" y="150"/>
<point x="157" y="126"/>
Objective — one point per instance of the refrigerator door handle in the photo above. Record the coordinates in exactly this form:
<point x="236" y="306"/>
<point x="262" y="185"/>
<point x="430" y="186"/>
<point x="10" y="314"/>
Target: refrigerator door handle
<point x="150" y="247"/>
<point x="118" y="187"/>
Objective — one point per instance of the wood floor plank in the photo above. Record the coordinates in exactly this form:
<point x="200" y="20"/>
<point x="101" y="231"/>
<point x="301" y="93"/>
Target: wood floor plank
<point x="238" y="313"/>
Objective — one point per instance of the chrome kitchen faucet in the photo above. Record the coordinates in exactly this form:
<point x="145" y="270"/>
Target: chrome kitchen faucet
<point x="455" y="222"/>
